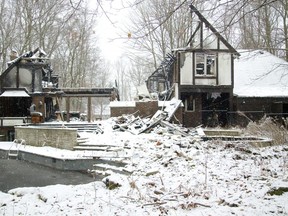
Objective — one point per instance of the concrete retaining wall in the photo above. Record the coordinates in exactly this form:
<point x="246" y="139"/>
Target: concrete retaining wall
<point x="61" y="164"/>
<point x="63" y="138"/>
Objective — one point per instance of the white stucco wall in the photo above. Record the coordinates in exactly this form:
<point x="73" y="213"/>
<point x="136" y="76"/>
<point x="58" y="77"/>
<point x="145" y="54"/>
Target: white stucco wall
<point x="224" y="71"/>
<point x="224" y="62"/>
<point x="186" y="75"/>
<point x="211" y="82"/>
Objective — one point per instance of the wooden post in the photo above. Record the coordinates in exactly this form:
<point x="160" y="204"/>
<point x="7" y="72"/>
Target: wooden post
<point x="89" y="110"/>
<point x="67" y="109"/>
<point x="59" y="110"/>
<point x="230" y="118"/>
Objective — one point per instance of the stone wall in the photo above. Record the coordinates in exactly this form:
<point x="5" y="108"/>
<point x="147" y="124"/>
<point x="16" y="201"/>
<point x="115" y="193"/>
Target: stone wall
<point x="63" y="138"/>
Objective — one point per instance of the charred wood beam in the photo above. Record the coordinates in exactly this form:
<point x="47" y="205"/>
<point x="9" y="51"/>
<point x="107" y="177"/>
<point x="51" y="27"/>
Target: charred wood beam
<point x="84" y="92"/>
<point x="207" y="23"/>
<point x="193" y="35"/>
<point x="86" y="95"/>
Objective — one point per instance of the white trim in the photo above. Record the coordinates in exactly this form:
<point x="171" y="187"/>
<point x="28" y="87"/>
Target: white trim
<point x="205" y="64"/>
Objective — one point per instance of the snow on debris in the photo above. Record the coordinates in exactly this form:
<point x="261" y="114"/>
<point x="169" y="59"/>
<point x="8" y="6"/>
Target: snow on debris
<point x="171" y="174"/>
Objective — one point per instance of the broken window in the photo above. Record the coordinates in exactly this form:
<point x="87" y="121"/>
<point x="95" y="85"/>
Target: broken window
<point x="161" y="86"/>
<point x="205" y="64"/>
<point x="190" y="104"/>
<point x="157" y="85"/>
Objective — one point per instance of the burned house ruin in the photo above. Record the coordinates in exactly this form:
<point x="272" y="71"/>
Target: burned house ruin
<point x="218" y="85"/>
<point x="201" y="75"/>
<point x="30" y="93"/>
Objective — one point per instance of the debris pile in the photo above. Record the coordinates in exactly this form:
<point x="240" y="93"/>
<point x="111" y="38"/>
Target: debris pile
<point x="138" y="125"/>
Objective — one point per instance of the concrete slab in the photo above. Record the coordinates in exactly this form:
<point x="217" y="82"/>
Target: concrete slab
<point x="16" y="173"/>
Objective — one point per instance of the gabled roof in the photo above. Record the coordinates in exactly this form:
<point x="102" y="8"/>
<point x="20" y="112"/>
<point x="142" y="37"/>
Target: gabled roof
<point x="258" y="73"/>
<point x="30" y="55"/>
<point x="215" y="32"/>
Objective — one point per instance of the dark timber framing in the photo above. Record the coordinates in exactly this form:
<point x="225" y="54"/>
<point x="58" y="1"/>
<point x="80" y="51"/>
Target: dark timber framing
<point x="89" y="93"/>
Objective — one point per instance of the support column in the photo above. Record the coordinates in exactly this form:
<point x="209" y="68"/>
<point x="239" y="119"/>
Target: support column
<point x="230" y="117"/>
<point x="67" y="109"/>
<point x="89" y="109"/>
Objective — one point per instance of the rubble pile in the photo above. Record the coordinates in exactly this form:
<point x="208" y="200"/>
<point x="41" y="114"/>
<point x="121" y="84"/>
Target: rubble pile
<point x="171" y="173"/>
<point x="137" y="125"/>
<point x="166" y="171"/>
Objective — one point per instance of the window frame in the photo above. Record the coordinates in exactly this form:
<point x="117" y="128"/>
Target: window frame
<point x="191" y="100"/>
<point x="205" y="58"/>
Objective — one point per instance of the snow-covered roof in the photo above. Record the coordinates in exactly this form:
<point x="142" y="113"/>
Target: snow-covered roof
<point x="258" y="73"/>
<point x="14" y="93"/>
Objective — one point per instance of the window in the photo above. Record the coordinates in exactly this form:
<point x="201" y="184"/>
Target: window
<point x="156" y="84"/>
<point x="210" y="64"/>
<point x="205" y="64"/>
<point x="200" y="59"/>
<point x="161" y="86"/>
<point x="190" y="104"/>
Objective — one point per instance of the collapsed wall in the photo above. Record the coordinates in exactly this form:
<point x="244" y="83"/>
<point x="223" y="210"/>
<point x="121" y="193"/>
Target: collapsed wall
<point x="143" y="109"/>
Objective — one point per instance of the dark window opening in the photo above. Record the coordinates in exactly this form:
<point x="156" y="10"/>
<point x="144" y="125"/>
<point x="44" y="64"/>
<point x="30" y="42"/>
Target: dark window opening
<point x="214" y="109"/>
<point x="190" y="104"/>
<point x="205" y="64"/>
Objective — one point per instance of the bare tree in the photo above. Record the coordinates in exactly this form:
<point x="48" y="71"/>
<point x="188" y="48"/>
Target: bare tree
<point x="256" y="24"/>
<point x="122" y="80"/>
<point x="63" y="28"/>
<point x="138" y="72"/>
<point x="157" y="27"/>
<point x="76" y="57"/>
<point x="8" y="25"/>
<point x="102" y="78"/>
<point x="281" y="7"/>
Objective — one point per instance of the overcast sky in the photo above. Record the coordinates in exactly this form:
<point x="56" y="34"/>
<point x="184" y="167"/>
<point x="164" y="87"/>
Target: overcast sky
<point x="110" y="30"/>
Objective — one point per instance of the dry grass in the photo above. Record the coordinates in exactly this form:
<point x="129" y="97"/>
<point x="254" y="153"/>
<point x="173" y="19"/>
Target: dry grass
<point x="269" y="128"/>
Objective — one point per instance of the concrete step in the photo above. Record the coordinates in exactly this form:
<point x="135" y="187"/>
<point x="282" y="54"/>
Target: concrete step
<point x="97" y="144"/>
<point x="106" y="154"/>
<point x="103" y="145"/>
<point x="105" y="168"/>
<point x="98" y="148"/>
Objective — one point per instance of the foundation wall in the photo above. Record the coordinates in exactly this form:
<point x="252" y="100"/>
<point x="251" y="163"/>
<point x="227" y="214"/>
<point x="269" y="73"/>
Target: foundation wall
<point x="63" y="138"/>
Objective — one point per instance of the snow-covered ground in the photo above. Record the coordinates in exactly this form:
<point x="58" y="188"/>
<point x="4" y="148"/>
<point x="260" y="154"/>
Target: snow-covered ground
<point x="172" y="175"/>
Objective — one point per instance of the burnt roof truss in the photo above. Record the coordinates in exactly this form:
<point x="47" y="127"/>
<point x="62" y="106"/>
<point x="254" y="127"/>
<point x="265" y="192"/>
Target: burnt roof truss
<point x="163" y="76"/>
